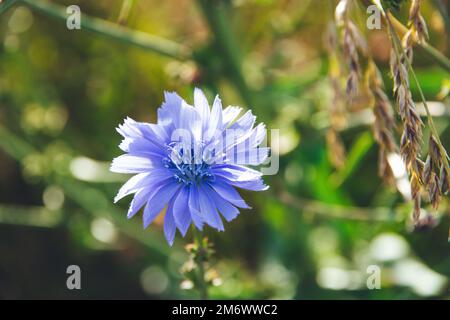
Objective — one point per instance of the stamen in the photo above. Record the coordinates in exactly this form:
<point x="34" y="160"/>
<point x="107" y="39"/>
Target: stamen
<point x="185" y="166"/>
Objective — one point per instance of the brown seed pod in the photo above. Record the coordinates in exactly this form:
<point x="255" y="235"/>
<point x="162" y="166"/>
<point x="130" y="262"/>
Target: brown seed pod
<point x="433" y="190"/>
<point x="444" y="183"/>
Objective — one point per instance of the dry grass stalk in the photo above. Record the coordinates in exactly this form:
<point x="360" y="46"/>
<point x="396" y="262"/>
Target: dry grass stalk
<point x="411" y="139"/>
<point x="417" y="29"/>
<point x="436" y="171"/>
<point x="384" y="122"/>
<point x="352" y="42"/>
<point x="336" y="149"/>
<point x="417" y="22"/>
<point x="410" y="142"/>
<point x="433" y="175"/>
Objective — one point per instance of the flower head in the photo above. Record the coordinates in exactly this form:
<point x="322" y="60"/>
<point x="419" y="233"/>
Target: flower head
<point x="190" y="162"/>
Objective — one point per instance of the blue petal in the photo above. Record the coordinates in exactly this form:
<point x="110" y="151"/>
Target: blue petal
<point x="229" y="114"/>
<point x="215" y="123"/>
<point x="149" y="192"/>
<point x="236" y="172"/>
<point x="230" y="194"/>
<point x="194" y="207"/>
<point x="133" y="184"/>
<point x="209" y="210"/>
<point x="239" y="176"/>
<point x="244" y="123"/>
<point x="158" y="201"/>
<point x="139" y="199"/>
<point x="180" y="211"/>
<point x="246" y="156"/>
<point x="258" y="135"/>
<point x="190" y="121"/>
<point x="141" y="146"/>
<point x="236" y="139"/>
<point x="142" y="180"/>
<point x="129" y="129"/>
<point x="140" y="130"/>
<point x="226" y="209"/>
<point x="169" y="224"/>
<point x="155" y="133"/>
<point x="202" y="106"/>
<point x="169" y="112"/>
<point x="131" y="164"/>
<point x="252" y="185"/>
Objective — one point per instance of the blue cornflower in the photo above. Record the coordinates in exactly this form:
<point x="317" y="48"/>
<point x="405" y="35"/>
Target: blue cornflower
<point x="190" y="163"/>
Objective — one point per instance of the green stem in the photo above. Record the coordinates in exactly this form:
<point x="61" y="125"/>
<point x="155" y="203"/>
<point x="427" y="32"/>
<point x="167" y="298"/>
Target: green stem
<point x="219" y="24"/>
<point x="437" y="56"/>
<point x="31" y="216"/>
<point x="125" y="11"/>
<point x="116" y="32"/>
<point x="429" y="50"/>
<point x="202" y="251"/>
<point x="432" y="52"/>
<point x="96" y="204"/>
<point x="5" y="6"/>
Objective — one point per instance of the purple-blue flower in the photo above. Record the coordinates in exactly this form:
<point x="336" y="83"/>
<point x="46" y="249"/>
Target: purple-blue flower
<point x="190" y="163"/>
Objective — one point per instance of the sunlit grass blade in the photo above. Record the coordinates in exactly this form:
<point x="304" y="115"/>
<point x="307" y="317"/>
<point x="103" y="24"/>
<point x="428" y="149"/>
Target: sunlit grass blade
<point x="116" y="32"/>
<point x="29" y="216"/>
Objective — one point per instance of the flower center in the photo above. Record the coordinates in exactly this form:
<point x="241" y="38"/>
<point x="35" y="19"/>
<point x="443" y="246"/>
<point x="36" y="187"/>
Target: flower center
<point x="187" y="167"/>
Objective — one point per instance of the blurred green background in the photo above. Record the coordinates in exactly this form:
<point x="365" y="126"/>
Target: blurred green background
<point x="311" y="236"/>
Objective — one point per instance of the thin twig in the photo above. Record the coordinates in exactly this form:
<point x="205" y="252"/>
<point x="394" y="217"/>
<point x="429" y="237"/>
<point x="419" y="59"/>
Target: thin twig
<point x="339" y="212"/>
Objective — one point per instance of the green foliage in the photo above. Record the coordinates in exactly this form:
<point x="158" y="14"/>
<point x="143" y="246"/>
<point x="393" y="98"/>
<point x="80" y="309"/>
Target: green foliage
<point x="393" y="4"/>
<point x="311" y="235"/>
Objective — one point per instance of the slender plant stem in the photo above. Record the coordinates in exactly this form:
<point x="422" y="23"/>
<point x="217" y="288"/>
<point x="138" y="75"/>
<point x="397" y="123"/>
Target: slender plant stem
<point x="202" y="251"/>
<point x="400" y="52"/>
<point x="113" y="31"/>
<point x="32" y="216"/>
<point x="443" y="12"/>
<point x="18" y="148"/>
<point x="125" y="11"/>
<point x="339" y="212"/>
<point x="218" y="22"/>
<point x="6" y="5"/>
<point x="429" y="50"/>
<point x="432" y="52"/>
